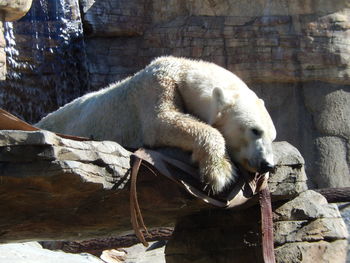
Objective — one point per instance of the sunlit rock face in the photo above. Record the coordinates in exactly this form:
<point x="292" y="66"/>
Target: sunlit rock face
<point x="14" y="9"/>
<point x="294" y="54"/>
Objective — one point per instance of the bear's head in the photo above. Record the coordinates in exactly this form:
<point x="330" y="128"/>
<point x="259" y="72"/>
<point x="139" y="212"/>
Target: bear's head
<point x="246" y="126"/>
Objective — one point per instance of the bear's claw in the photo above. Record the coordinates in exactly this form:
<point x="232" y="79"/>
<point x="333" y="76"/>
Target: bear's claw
<point x="219" y="175"/>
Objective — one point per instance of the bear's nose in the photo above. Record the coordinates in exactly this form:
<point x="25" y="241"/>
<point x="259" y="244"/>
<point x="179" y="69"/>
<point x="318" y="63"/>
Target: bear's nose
<point x="266" y="167"/>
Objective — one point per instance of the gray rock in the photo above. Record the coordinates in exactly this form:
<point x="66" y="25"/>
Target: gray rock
<point x="295" y="55"/>
<point x="285" y="154"/>
<point x="140" y="254"/>
<point x="32" y="252"/>
<point x="101" y="162"/>
<point x="289" y="179"/>
<point x="328" y="106"/>
<point x="305" y="252"/>
<point x="300" y="223"/>
<point x="306" y="229"/>
<point x="15" y="9"/>
<point x="309" y="205"/>
<point x="310" y="231"/>
<point x="333" y="164"/>
<point x="114" y="18"/>
<point x="344" y="209"/>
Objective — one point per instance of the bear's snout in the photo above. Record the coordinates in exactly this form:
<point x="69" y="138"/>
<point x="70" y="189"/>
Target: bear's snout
<point x="266" y="167"/>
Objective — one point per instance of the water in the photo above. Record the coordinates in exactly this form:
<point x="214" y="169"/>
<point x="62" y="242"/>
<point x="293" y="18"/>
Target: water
<point x="12" y="53"/>
<point x="46" y="60"/>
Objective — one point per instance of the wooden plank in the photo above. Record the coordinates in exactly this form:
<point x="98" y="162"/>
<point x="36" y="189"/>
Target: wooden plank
<point x="267" y="226"/>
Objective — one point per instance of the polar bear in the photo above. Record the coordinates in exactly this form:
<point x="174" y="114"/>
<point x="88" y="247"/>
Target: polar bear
<point x="193" y="105"/>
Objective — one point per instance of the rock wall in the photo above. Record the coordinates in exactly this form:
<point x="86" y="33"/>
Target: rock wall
<point x="306" y="229"/>
<point x="294" y="54"/>
<point x="37" y="165"/>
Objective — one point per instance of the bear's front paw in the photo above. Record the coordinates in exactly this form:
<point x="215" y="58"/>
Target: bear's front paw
<point x="218" y="174"/>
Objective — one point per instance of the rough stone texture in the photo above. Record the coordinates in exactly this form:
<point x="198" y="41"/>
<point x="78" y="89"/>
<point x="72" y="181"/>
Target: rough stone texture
<point x="32" y="252"/>
<point x="289" y="179"/>
<point x="114" y="18"/>
<point x="216" y="236"/>
<point x="102" y="161"/>
<point x="344" y="209"/>
<point x="321" y="251"/>
<point x="137" y="254"/>
<point x="41" y="171"/>
<point x="309" y="205"/>
<point x="306" y="229"/>
<point x="44" y="163"/>
<point x="294" y="54"/>
<point x="74" y="181"/>
<point x="14" y="9"/>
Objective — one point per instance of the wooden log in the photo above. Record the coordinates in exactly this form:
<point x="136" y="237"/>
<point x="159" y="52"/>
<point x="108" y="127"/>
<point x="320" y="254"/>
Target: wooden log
<point x="267" y="226"/>
<point x="335" y="195"/>
<point x="97" y="245"/>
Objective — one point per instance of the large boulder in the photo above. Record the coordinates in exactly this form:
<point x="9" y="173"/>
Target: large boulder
<point x="14" y="9"/>
<point x="31" y="252"/>
<point x="306" y="229"/>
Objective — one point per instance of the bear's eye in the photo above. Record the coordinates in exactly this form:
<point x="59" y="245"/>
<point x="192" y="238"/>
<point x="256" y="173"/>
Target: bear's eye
<point x="256" y="131"/>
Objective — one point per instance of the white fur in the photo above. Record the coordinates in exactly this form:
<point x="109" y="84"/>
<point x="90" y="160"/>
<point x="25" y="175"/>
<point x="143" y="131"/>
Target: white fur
<point x="176" y="102"/>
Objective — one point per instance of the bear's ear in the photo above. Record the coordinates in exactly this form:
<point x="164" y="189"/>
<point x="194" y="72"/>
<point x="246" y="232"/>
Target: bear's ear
<point x="218" y="103"/>
<point x="219" y="97"/>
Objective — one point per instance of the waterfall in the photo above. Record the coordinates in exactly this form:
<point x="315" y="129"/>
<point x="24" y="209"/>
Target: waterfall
<point x="46" y="60"/>
<point x="12" y="53"/>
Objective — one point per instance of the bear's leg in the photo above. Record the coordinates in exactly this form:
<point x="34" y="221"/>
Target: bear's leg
<point x="176" y="129"/>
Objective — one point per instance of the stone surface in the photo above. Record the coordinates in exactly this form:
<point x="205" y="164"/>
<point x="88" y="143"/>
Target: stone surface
<point x="322" y="251"/>
<point x="282" y="50"/>
<point x="114" y="18"/>
<point x="84" y="178"/>
<point x="73" y="179"/>
<point x="216" y="236"/>
<point x="52" y="184"/>
<point x="309" y="205"/>
<point x="306" y="229"/>
<point x="140" y="254"/>
<point x="294" y="54"/>
<point x="102" y="161"/>
<point x="14" y="9"/>
<point x="344" y="209"/>
<point x="289" y="179"/>
<point x="32" y="252"/>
